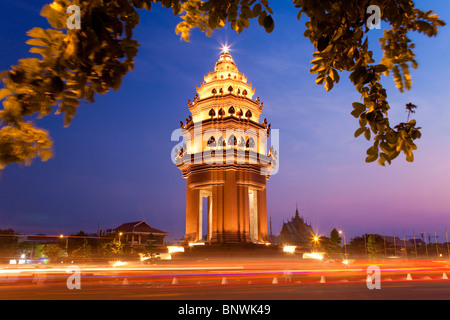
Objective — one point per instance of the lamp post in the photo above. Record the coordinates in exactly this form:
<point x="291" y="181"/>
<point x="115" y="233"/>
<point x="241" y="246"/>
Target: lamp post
<point x="316" y="240"/>
<point x="67" y="243"/>
<point x="437" y="247"/>
<point x="120" y="242"/>
<point x="415" y="246"/>
<point x="345" y="244"/>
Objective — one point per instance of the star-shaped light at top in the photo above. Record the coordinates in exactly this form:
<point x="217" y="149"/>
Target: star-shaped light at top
<point x="225" y="48"/>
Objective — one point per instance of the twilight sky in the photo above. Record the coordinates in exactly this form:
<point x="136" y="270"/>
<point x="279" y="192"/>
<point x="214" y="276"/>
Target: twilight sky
<point x="112" y="165"/>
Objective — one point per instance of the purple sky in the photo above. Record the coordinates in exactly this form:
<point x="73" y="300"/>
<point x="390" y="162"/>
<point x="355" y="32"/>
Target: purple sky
<point x="112" y="165"/>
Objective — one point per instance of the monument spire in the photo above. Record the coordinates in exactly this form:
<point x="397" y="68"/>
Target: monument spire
<point x="225" y="159"/>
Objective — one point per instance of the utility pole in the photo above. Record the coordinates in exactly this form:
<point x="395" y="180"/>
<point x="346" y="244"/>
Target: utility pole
<point x="415" y="246"/>
<point x="395" y="247"/>
<point x="365" y="245"/>
<point x="437" y="248"/>
<point x="446" y="238"/>
<point x="404" y="244"/>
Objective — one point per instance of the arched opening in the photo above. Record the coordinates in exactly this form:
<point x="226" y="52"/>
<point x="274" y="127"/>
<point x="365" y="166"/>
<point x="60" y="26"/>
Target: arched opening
<point x="241" y="142"/>
<point x="211" y="142"/>
<point x="232" y="140"/>
<point x="221" y="142"/>
<point x="250" y="143"/>
<point x="205" y="215"/>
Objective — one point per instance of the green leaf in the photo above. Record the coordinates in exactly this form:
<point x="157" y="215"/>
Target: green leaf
<point x="372" y="150"/>
<point x="410" y="157"/>
<point x="40" y="50"/>
<point x="334" y="75"/>
<point x="367" y="134"/>
<point x="317" y="60"/>
<point x="4" y="93"/>
<point x="359" y="109"/>
<point x="380" y="68"/>
<point x="38" y="42"/>
<point x="261" y="18"/>
<point x="320" y="80"/>
<point x="246" y="11"/>
<point x="257" y="8"/>
<point x="360" y="131"/>
<point x="328" y="83"/>
<point x="268" y="23"/>
<point x="371" y="158"/>
<point x="316" y="68"/>
<point x="362" y="122"/>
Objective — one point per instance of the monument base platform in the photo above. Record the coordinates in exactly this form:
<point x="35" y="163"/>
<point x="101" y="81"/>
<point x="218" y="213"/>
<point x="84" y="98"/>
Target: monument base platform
<point x="229" y="250"/>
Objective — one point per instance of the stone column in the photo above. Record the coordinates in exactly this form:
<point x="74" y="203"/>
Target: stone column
<point x="217" y="214"/>
<point x="209" y="218"/>
<point x="192" y="214"/>
<point x="262" y="215"/>
<point x="243" y="213"/>
<point x="253" y="215"/>
<point x="230" y="207"/>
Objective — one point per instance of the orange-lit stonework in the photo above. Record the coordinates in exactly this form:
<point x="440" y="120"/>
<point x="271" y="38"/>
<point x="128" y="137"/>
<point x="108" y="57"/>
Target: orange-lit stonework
<point x="224" y="160"/>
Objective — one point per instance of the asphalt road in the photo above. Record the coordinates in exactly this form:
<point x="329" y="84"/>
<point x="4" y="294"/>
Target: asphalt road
<point x="392" y="290"/>
<point x="229" y="279"/>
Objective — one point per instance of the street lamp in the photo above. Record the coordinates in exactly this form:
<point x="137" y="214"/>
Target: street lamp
<point x="67" y="242"/>
<point x="316" y="240"/>
<point x="345" y="244"/>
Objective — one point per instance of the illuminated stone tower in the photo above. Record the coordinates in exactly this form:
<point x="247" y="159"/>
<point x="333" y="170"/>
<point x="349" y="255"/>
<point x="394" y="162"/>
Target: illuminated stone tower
<point x="224" y="160"/>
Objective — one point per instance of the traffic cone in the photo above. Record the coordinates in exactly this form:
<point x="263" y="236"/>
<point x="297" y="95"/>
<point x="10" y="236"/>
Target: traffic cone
<point x="444" y="276"/>
<point x="224" y="280"/>
<point x="275" y="280"/>
<point x="408" y="277"/>
<point x="322" y="279"/>
<point x="175" y="282"/>
<point x="125" y="282"/>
